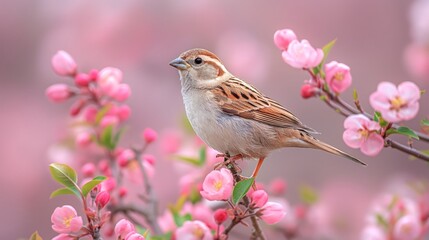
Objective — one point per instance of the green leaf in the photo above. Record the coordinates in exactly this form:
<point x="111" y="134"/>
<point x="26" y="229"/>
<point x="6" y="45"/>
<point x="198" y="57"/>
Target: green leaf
<point x="381" y="221"/>
<point x="403" y="131"/>
<point x="191" y="160"/>
<point x="166" y="236"/>
<point x="308" y="195"/>
<point x="203" y="155"/>
<point x="61" y="191"/>
<point x="101" y="113"/>
<point x="186" y="125"/>
<point x="355" y="95"/>
<point x="106" y="138"/>
<point x="241" y="188"/>
<point x="91" y="184"/>
<point x="327" y="49"/>
<point x="180" y="219"/>
<point x="117" y="136"/>
<point x="378" y="118"/>
<point x="424" y="122"/>
<point x="36" y="236"/>
<point x="66" y="176"/>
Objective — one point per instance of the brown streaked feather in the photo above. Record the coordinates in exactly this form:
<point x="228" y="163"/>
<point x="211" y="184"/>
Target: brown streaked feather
<point x="238" y="98"/>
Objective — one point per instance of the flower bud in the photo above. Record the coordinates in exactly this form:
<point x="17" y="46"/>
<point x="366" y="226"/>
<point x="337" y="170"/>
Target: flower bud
<point x="338" y="76"/>
<point x="122" y="192"/>
<point x="64" y="64"/>
<point x="125" y="156"/>
<point x="88" y="169"/>
<point x="123" y="112"/>
<point x="93" y="74"/>
<point x="82" y="80"/>
<point x="149" y="135"/>
<point x="108" y="79"/>
<point x="308" y="91"/>
<point x="83" y="139"/>
<point x="102" y="199"/>
<point x="122" y="92"/>
<point x="123" y="228"/>
<point x="283" y="37"/>
<point x="272" y="212"/>
<point x="220" y="216"/>
<point x="149" y="159"/>
<point x="259" y="198"/>
<point x="58" y="92"/>
<point x="278" y="186"/>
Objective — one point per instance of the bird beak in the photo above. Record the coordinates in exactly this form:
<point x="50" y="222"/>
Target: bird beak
<point x="179" y="63"/>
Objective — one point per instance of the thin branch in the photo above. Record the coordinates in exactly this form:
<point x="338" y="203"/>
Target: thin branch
<point x="257" y="231"/>
<point x="388" y="142"/>
<point x="152" y="202"/>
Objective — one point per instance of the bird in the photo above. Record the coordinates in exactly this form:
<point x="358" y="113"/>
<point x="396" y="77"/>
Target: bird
<point x="236" y="119"/>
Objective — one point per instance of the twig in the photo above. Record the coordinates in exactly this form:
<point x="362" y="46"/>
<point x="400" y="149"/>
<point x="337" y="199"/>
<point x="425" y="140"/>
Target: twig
<point x="152" y="202"/>
<point x="257" y="232"/>
<point x="388" y="142"/>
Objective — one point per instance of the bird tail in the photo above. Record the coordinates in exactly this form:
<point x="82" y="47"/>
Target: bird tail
<point x="330" y="149"/>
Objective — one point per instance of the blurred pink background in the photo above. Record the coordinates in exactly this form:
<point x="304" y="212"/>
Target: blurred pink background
<point x="141" y="37"/>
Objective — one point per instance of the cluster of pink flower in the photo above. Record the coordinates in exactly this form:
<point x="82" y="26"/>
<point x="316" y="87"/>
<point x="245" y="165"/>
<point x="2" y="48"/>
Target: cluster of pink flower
<point x="394" y="104"/>
<point x="99" y="108"/>
<point x="396" y="216"/>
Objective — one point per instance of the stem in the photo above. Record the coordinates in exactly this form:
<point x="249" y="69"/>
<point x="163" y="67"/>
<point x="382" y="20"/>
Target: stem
<point x="257" y="232"/>
<point x="152" y="202"/>
<point x="407" y="149"/>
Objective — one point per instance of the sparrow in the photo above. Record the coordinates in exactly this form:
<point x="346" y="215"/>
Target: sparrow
<point x="236" y="119"/>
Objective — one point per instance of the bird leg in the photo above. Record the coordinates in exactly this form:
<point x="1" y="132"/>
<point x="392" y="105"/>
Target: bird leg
<point x="227" y="160"/>
<point x="255" y="172"/>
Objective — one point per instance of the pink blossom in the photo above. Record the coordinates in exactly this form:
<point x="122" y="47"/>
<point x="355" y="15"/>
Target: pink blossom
<point x="93" y="74"/>
<point x="396" y="103"/>
<point x="166" y="221"/>
<point x="125" y="156"/>
<point x="134" y="236"/>
<point x="88" y="169"/>
<point x="82" y="80"/>
<point x="109" y="120"/>
<point x="194" y="230"/>
<point x="123" y="112"/>
<point x="220" y="215"/>
<point x="302" y="55"/>
<point x="123" y="228"/>
<point x="417" y="60"/>
<point x="272" y="212"/>
<point x="77" y="107"/>
<point x="102" y="199"/>
<point x="58" y="92"/>
<point x="308" y="91"/>
<point x="108" y="185"/>
<point x="90" y="113"/>
<point x="83" y="139"/>
<point x="277" y="186"/>
<point x="122" y="192"/>
<point x="362" y="133"/>
<point x="108" y="79"/>
<point x="407" y="227"/>
<point x="122" y="92"/>
<point x="63" y="64"/>
<point x="338" y="76"/>
<point x="149" y="135"/>
<point x="63" y="236"/>
<point x="218" y="185"/>
<point x="65" y="220"/>
<point x="259" y="198"/>
<point x="282" y="38"/>
<point x="373" y="233"/>
<point x="200" y="212"/>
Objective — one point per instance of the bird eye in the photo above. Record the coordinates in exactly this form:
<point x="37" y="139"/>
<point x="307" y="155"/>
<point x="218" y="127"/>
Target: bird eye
<point x="198" y="60"/>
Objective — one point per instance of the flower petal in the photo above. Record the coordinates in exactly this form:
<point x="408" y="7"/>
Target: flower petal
<point x="352" y="138"/>
<point x="356" y="122"/>
<point x="388" y="89"/>
<point x="409" y="91"/>
<point x="372" y="145"/>
<point x="409" y="112"/>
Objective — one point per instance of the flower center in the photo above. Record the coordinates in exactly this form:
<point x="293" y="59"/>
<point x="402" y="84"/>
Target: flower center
<point x="397" y="103"/>
<point x="67" y="221"/>
<point x="364" y="133"/>
<point x="218" y="185"/>
<point x="339" y="76"/>
<point x="198" y="233"/>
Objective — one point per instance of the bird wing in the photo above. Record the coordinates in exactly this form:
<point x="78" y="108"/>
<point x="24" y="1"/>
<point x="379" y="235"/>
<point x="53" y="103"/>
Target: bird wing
<point x="235" y="97"/>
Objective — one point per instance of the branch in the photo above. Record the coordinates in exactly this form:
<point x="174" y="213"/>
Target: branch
<point x="345" y="107"/>
<point x="257" y="232"/>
